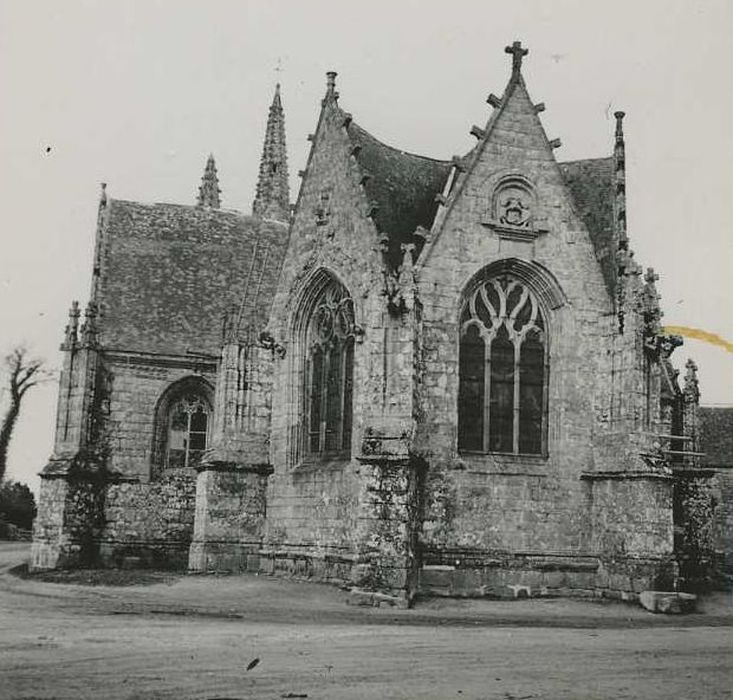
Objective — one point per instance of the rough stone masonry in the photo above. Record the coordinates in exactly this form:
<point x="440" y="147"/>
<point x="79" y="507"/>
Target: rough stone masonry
<point x="426" y="376"/>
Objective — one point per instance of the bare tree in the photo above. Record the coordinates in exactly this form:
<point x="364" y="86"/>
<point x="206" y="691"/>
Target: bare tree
<point x="24" y="373"/>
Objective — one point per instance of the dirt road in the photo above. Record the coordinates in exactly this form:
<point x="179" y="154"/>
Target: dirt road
<point x="194" y="637"/>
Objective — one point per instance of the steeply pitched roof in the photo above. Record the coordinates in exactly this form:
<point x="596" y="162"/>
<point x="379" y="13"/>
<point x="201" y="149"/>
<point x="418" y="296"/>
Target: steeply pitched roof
<point x="401" y="185"/>
<point x="591" y="184"/>
<point x="168" y="273"/>
<point x="716" y="435"/>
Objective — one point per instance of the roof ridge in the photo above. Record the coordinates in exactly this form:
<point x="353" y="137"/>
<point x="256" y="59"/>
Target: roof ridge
<point x="584" y="160"/>
<point x="400" y="150"/>
<point x="178" y="205"/>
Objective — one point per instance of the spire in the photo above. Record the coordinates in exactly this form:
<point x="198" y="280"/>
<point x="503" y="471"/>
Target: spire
<point x="209" y="190"/>
<point x="272" y="200"/>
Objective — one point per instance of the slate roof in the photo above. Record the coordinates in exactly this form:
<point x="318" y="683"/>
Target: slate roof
<point x="168" y="273"/>
<point x="716" y="435"/>
<point x="591" y="183"/>
<point x="403" y="187"/>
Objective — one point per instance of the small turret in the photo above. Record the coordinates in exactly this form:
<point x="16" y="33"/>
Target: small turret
<point x="209" y="190"/>
<point x="691" y="390"/>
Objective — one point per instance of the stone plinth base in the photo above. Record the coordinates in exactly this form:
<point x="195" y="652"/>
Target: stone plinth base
<point x="232" y="557"/>
<point x="69" y="517"/>
<point x="230" y="516"/>
<point x="506" y="575"/>
<point x="143" y="554"/>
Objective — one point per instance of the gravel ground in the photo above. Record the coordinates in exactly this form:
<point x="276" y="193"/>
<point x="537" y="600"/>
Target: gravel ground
<point x="173" y="636"/>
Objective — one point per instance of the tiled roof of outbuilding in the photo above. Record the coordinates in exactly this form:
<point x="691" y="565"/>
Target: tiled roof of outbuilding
<point x="591" y="184"/>
<point x="401" y="185"/>
<point x="716" y="435"/>
<point x="168" y="273"/>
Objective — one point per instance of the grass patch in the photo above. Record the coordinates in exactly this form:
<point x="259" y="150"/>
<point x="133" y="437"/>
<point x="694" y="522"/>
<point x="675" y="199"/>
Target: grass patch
<point x="99" y="577"/>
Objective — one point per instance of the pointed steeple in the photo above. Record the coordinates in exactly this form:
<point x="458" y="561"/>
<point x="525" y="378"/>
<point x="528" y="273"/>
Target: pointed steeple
<point x="209" y="190"/>
<point x="272" y="200"/>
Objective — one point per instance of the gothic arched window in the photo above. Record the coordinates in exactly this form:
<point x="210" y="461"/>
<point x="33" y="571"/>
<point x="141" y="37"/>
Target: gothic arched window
<point x="188" y="425"/>
<point x="329" y="343"/>
<point x="502" y="370"/>
<point x="182" y="422"/>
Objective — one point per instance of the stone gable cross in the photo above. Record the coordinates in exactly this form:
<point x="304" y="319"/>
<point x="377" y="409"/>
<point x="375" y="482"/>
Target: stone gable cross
<point x="517" y="54"/>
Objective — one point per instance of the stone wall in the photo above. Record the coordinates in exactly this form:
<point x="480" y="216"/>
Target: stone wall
<point x="723" y="520"/>
<point x="149" y="524"/>
<point x="66" y="529"/>
<point x="316" y="522"/>
<point x="230" y="516"/>
<point x="134" y="386"/>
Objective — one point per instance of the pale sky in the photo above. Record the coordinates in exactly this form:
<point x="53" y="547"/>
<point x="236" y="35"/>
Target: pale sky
<point x="137" y="93"/>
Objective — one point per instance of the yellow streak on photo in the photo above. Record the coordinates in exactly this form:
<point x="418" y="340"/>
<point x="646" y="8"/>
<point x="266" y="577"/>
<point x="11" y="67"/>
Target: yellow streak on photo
<point x="698" y="334"/>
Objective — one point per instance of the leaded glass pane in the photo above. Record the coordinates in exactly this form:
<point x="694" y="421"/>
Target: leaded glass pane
<point x="531" y="390"/>
<point x="471" y="391"/>
<point x="316" y="393"/>
<point x="501" y="398"/>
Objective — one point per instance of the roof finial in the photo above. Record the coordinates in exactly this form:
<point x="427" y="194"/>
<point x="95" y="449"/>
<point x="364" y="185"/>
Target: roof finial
<point x="517" y="54"/>
<point x="619" y="125"/>
<point x="331" y="82"/>
<point x="272" y="198"/>
<point x="619" y="155"/>
<point x="209" y="190"/>
<point x="103" y="193"/>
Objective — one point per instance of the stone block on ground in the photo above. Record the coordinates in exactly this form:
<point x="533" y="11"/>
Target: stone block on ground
<point x="668" y="602"/>
<point x="360" y="597"/>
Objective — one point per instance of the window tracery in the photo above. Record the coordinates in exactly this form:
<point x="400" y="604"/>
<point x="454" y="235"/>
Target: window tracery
<point x="182" y="422"/>
<point x="188" y="423"/>
<point x="329" y="374"/>
<point x="502" y="370"/>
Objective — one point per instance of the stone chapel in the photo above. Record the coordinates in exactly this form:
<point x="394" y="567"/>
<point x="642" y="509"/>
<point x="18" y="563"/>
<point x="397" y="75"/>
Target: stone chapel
<point x="425" y="376"/>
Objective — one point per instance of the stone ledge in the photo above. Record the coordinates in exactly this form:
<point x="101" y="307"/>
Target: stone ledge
<point x="625" y="475"/>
